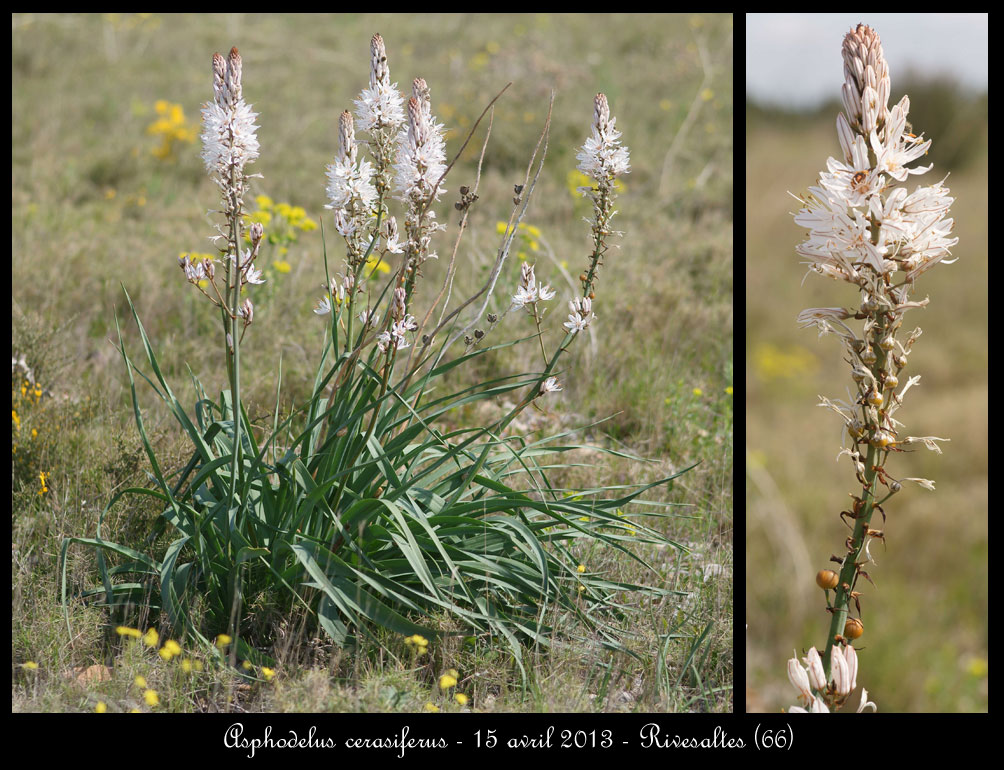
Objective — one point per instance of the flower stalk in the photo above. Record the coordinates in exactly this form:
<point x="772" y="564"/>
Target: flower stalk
<point x="866" y="230"/>
<point x="229" y="144"/>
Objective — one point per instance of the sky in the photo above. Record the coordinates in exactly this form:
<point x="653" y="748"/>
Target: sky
<point x="793" y="60"/>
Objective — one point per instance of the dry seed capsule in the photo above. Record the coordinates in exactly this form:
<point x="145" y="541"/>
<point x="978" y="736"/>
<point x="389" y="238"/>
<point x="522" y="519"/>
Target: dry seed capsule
<point x="869" y="357"/>
<point x="875" y="398"/>
<point x="891" y="381"/>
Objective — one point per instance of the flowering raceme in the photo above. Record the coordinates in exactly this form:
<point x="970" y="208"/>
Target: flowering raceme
<point x="229" y="134"/>
<point x="857" y="195"/>
<point x="602" y="157"/>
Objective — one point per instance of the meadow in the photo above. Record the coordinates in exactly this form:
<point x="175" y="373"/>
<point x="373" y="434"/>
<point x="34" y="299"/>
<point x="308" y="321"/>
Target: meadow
<point x="925" y="646"/>
<point x="108" y="190"/>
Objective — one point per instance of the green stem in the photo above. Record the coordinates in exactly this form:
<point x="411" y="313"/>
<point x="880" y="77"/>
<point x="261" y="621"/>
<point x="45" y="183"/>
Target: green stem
<point x="848" y="572"/>
<point x="864" y="511"/>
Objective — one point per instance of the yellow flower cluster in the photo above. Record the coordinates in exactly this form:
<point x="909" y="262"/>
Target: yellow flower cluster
<point x="26" y="397"/>
<point x="576" y="179"/>
<point x="449" y="679"/>
<point x="771" y="362"/>
<point x="529" y="237"/>
<point x="170" y="650"/>
<point x="418" y="643"/>
<point x="172" y="128"/>
<point x="283" y="223"/>
<point x="377" y="265"/>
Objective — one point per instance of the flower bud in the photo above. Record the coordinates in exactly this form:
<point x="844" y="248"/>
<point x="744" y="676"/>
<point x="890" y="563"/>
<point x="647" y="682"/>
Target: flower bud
<point x="839" y="672"/>
<point x="799" y="680"/>
<point x="817" y="677"/>
<point x="851" y="659"/>
<point x="257" y="231"/>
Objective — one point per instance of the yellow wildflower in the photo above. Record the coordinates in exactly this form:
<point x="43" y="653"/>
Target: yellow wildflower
<point x="461" y="698"/>
<point x="172" y="647"/>
<point x="268" y="673"/>
<point x="446" y="681"/>
<point x="432" y="707"/>
<point x="151" y="698"/>
<point x="186" y="665"/>
<point x="101" y="708"/>
<point x="264" y="202"/>
<point x="140" y="682"/>
<point x="728" y="390"/>
<point x="581" y="568"/>
<point x="151" y="638"/>
<point x="246" y="665"/>
<point x="698" y="392"/>
<point x="262" y="217"/>
<point x="282" y="266"/>
<point x="223" y="640"/>
<point x="30" y="665"/>
<point x="126" y="631"/>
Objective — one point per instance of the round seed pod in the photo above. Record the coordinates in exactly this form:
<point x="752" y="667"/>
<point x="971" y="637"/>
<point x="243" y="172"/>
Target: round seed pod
<point x="853" y="628"/>
<point x="875" y="398"/>
<point x="869" y="357"/>
<point x="891" y="381"/>
<point x="827" y="579"/>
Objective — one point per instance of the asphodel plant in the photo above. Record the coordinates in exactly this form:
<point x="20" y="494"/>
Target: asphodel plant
<point x="866" y="228"/>
<point x="368" y="508"/>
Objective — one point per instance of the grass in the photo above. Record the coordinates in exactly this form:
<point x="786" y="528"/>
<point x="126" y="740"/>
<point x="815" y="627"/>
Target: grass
<point x="94" y="207"/>
<point x="925" y="646"/>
